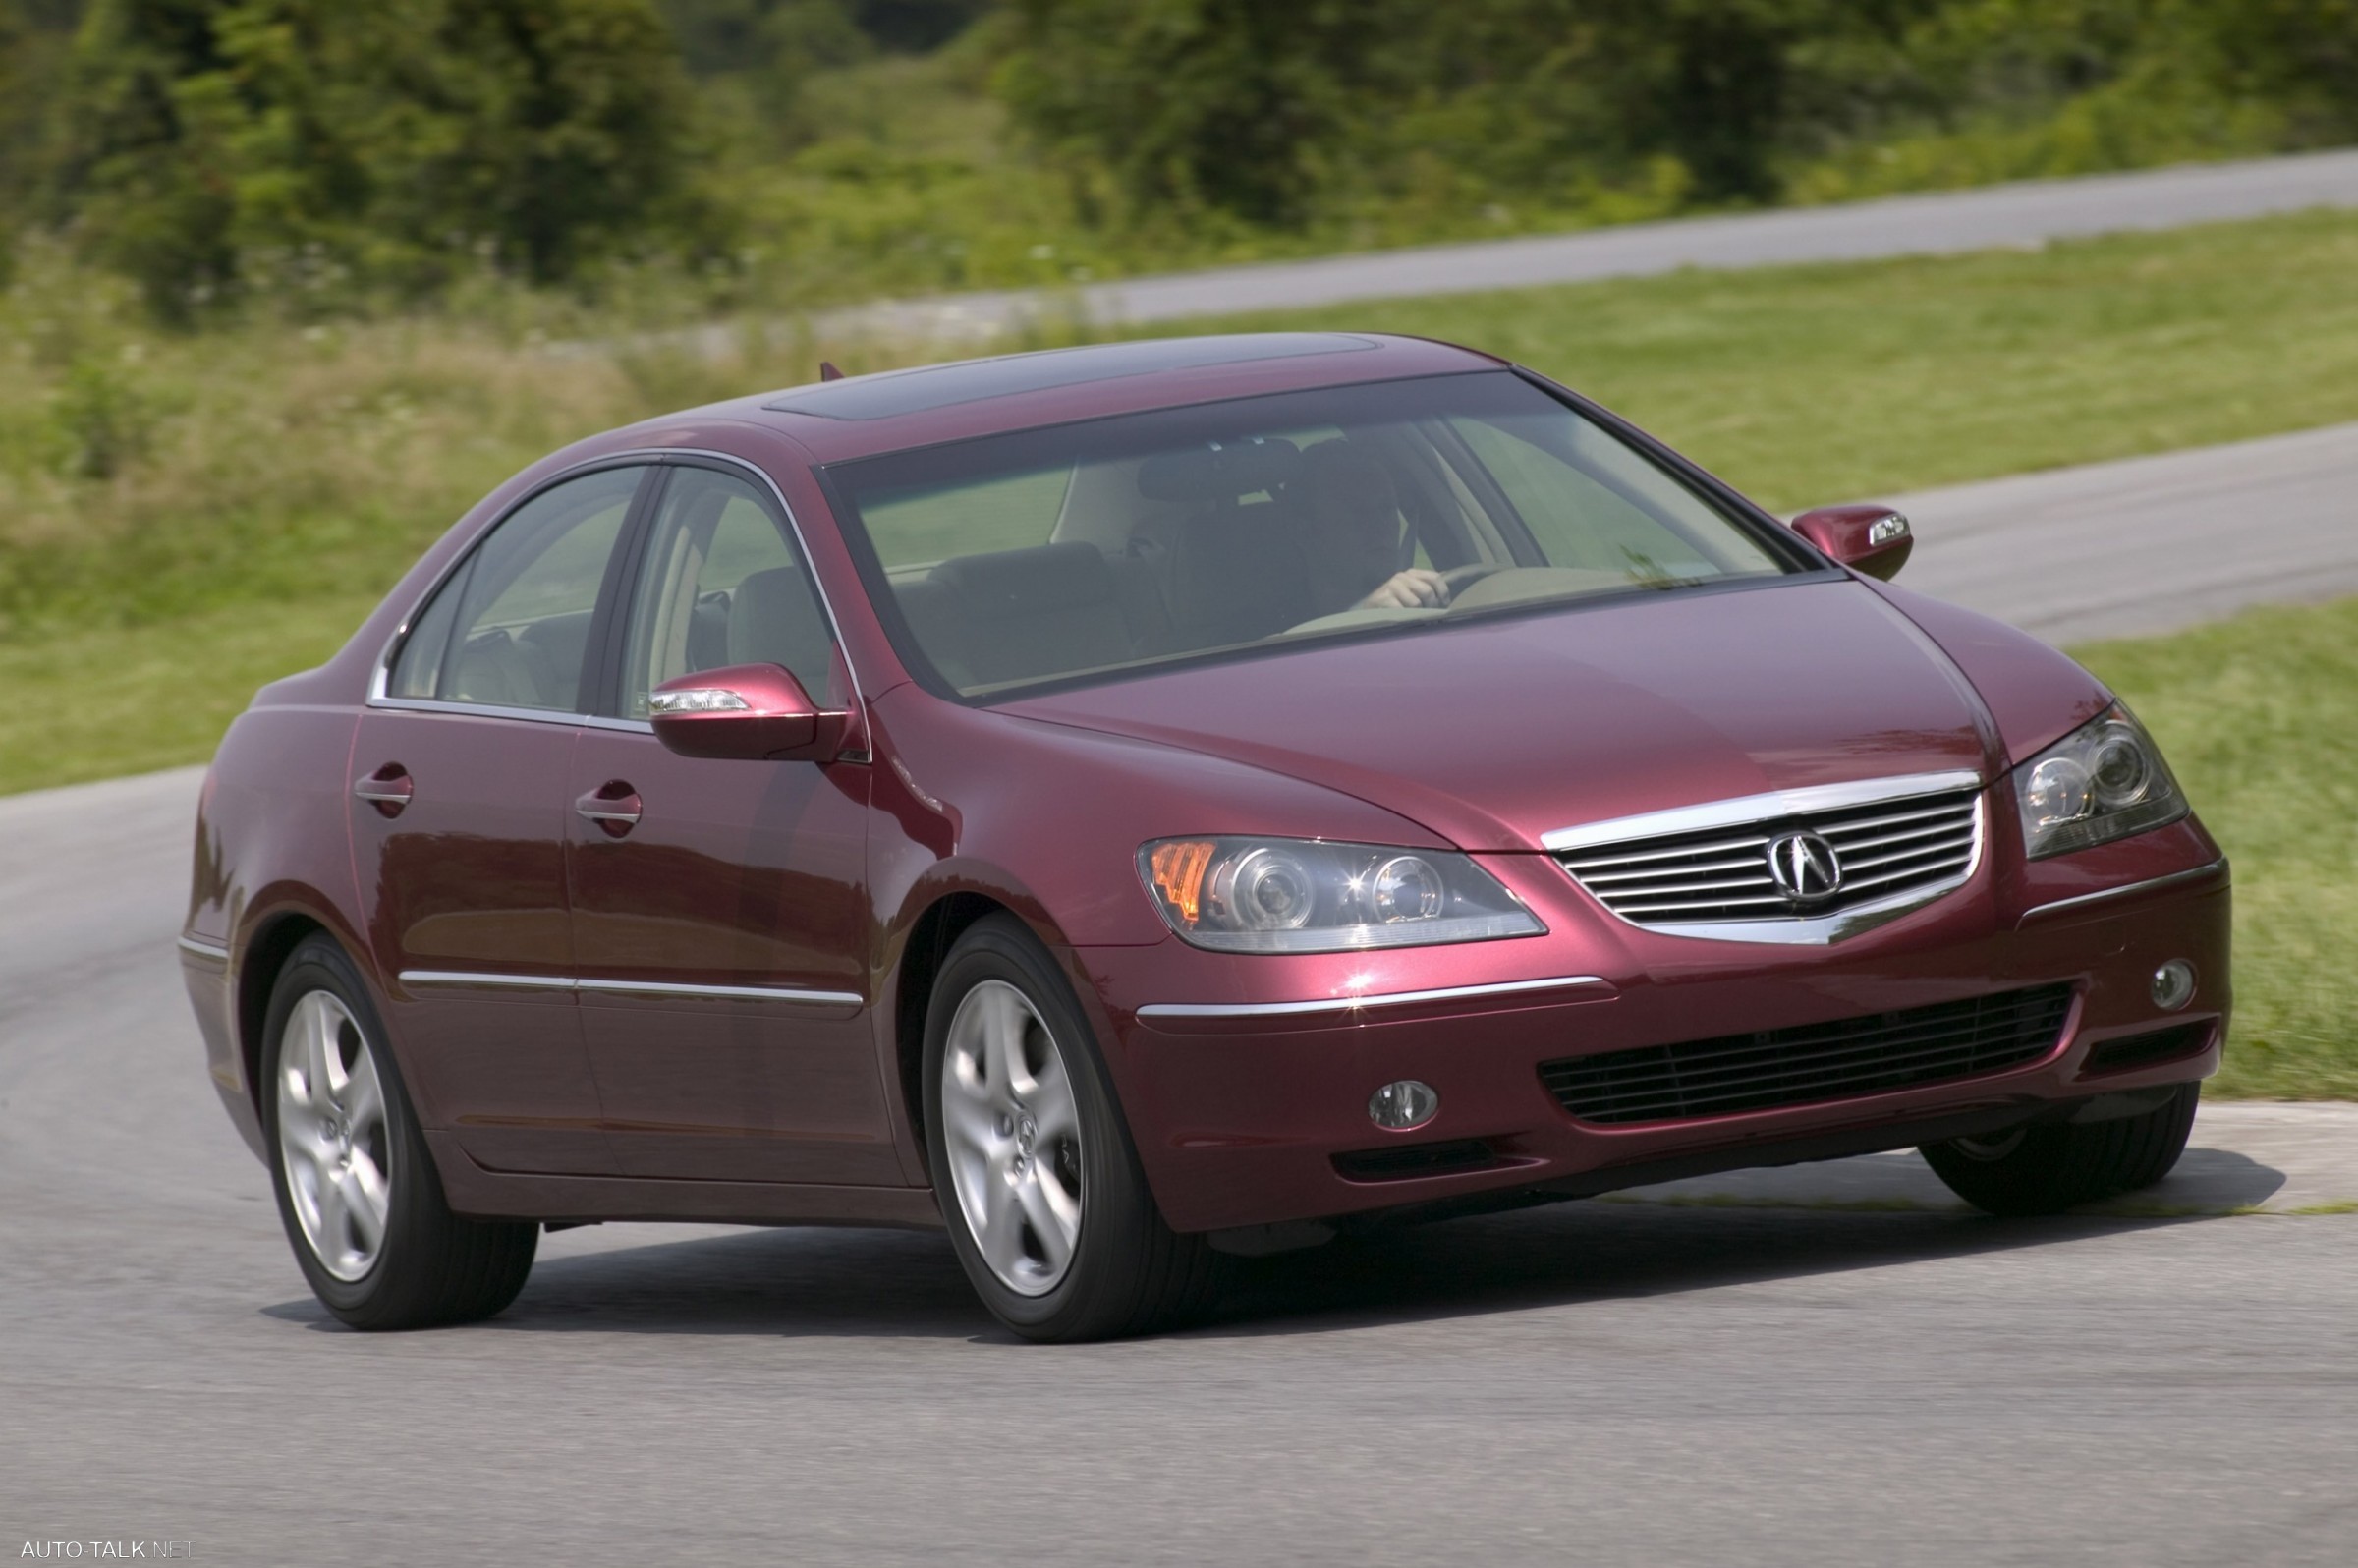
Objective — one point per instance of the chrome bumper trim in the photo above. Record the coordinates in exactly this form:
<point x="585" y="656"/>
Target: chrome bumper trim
<point x="1350" y="1004"/>
<point x="2217" y="868"/>
<point x="197" y="945"/>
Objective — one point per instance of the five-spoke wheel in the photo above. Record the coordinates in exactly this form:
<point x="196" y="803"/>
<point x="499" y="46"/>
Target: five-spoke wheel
<point x="1039" y="1183"/>
<point x="332" y="1138"/>
<point x="357" y="1188"/>
<point x="1013" y="1138"/>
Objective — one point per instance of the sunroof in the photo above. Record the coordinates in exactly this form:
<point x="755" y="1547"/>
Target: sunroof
<point x="941" y="386"/>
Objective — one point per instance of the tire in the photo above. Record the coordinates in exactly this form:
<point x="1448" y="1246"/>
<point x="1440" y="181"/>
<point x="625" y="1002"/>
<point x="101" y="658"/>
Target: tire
<point x="2043" y="1170"/>
<point x="1032" y="1166"/>
<point x="347" y="1159"/>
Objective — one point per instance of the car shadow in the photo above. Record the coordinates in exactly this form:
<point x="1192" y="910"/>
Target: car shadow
<point x="797" y="1283"/>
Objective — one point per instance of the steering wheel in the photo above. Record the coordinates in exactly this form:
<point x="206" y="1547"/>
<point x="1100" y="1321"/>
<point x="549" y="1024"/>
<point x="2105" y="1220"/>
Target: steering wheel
<point x="1460" y="578"/>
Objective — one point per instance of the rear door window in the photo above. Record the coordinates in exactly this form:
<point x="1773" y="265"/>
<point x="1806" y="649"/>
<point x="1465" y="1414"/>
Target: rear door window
<point x="512" y="628"/>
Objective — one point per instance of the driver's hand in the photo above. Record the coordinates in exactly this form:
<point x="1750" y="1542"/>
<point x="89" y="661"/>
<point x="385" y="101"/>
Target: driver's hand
<point x="1418" y="587"/>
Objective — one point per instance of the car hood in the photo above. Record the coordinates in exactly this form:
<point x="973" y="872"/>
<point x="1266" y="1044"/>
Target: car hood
<point x="1494" y="732"/>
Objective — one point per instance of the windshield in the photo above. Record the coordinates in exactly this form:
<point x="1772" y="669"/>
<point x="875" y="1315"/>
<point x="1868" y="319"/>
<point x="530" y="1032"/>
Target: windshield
<point x="1126" y="542"/>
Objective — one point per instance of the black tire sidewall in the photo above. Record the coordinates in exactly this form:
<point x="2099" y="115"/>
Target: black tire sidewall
<point x="1117" y="1211"/>
<point x="319" y="965"/>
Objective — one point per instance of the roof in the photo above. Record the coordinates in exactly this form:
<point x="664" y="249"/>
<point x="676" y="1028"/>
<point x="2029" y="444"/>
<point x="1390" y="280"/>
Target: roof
<point x="895" y="410"/>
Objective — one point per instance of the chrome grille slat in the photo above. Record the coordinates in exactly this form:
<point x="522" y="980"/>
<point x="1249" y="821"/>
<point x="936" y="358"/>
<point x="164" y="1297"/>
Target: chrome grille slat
<point x="1652" y="889"/>
<point x="1707" y="846"/>
<point x="1699" y="878"/>
<point x="1751" y="862"/>
<point x="1928" y="830"/>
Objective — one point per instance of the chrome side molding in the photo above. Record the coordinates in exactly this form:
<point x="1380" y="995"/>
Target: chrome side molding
<point x="437" y="978"/>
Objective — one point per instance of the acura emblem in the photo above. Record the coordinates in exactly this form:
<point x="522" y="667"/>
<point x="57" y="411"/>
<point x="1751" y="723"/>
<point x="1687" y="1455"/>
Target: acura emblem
<point x="1805" y="867"/>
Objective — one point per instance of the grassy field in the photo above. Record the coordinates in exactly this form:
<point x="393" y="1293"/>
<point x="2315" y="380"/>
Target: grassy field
<point x="183" y="519"/>
<point x="2259" y="717"/>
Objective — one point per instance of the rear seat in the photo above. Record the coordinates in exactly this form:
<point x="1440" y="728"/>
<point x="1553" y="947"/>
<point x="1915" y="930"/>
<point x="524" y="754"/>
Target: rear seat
<point x="1019" y="615"/>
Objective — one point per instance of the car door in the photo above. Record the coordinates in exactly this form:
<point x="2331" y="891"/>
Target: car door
<point x="461" y="803"/>
<point x="719" y="909"/>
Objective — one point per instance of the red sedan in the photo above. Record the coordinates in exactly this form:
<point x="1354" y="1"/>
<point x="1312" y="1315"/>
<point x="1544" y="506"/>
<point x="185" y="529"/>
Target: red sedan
<point x="1135" y="803"/>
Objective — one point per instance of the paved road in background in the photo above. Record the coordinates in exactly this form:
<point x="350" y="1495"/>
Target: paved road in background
<point x="2029" y="213"/>
<point x="2148" y="544"/>
<point x="1601" y="1382"/>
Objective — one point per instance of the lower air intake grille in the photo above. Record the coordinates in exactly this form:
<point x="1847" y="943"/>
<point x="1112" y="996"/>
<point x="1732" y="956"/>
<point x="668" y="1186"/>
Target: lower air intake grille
<point x="1780" y="1067"/>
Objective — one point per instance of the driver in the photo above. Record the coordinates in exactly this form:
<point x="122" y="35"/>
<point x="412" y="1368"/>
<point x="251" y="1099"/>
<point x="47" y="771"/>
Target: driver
<point x="1352" y="537"/>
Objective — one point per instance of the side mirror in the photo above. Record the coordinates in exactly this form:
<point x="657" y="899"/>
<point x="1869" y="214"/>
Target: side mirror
<point x="751" y="712"/>
<point x="1873" y="540"/>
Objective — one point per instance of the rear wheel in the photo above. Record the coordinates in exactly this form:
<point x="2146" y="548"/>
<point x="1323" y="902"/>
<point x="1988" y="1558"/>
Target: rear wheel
<point x="1033" y="1164"/>
<point x="2043" y="1171"/>
<point x="357" y="1188"/>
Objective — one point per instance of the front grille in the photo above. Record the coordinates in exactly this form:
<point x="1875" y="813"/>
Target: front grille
<point x="1774" y="1068"/>
<point x="1718" y="874"/>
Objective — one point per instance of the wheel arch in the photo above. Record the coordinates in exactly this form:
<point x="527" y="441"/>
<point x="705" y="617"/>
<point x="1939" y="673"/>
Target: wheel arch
<point x="931" y="936"/>
<point x="263" y="956"/>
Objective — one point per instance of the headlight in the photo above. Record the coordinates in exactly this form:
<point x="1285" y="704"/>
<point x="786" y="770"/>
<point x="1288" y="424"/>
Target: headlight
<point x="1286" y="895"/>
<point x="2104" y="781"/>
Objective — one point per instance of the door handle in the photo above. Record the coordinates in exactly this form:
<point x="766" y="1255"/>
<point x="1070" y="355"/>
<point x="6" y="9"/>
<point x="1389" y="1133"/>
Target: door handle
<point x="613" y="806"/>
<point x="388" y="789"/>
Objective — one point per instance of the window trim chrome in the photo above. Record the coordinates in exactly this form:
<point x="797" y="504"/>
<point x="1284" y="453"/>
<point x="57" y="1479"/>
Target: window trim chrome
<point x="648" y="456"/>
<point x="1350" y="1004"/>
<point x="437" y="978"/>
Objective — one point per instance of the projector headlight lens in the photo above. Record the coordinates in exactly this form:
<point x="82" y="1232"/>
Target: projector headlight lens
<point x="1261" y="895"/>
<point x="2104" y="780"/>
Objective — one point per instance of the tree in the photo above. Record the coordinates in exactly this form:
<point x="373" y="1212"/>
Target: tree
<point x="216" y="144"/>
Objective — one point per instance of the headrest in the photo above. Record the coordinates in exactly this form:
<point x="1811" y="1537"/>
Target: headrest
<point x="1220" y="471"/>
<point x="1343" y="475"/>
<point x="1012" y="582"/>
<point x="775" y="618"/>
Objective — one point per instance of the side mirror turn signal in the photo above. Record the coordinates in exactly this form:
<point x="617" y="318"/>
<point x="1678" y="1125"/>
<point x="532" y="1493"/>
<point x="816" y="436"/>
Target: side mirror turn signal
<point x="1868" y="538"/>
<point x="751" y="712"/>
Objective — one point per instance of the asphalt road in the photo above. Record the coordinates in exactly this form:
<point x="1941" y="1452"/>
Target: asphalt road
<point x="2148" y="544"/>
<point x="2028" y="213"/>
<point x="1599" y="1383"/>
<point x="1827" y="1367"/>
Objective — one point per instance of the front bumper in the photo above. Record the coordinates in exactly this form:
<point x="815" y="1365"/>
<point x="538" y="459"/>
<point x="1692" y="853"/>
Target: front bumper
<point x="1261" y="1119"/>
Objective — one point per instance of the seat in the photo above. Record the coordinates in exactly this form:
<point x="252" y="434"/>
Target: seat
<point x="500" y="670"/>
<point x="775" y="618"/>
<point x="1016" y="615"/>
<point x="1230" y="571"/>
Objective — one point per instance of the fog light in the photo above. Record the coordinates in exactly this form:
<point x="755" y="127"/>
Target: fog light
<point x="1397" y="1107"/>
<point x="2173" y="986"/>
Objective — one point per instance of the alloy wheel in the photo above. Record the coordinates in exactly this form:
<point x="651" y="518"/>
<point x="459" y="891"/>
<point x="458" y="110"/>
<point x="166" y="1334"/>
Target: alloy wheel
<point x="332" y="1139"/>
<point x="1012" y="1133"/>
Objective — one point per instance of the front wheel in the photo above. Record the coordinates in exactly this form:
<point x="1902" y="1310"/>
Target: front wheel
<point x="1033" y="1164"/>
<point x="356" y="1186"/>
<point x="2043" y="1170"/>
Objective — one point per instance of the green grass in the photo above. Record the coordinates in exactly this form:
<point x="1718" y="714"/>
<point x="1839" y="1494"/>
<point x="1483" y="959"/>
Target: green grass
<point x="261" y="489"/>
<point x="1816" y="383"/>
<point x="2259" y="717"/>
